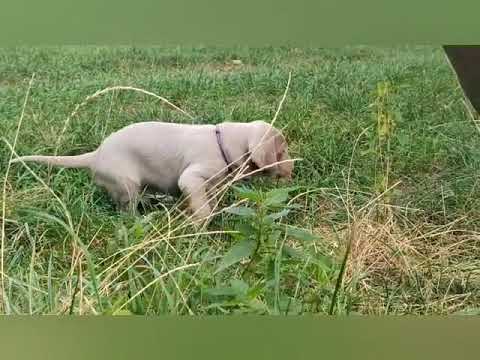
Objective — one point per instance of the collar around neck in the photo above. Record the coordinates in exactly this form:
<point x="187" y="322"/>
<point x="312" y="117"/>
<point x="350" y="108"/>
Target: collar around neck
<point x="221" y="145"/>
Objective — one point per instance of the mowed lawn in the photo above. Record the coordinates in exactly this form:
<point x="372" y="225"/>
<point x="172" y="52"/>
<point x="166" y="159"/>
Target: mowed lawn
<point x="386" y="206"/>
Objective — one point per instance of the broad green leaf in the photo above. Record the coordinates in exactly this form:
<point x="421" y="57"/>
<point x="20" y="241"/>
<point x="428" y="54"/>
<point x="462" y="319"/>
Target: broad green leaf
<point x="249" y="194"/>
<point x="243" y="211"/>
<point x="246" y="229"/>
<point x="237" y="288"/>
<point x="276" y="197"/>
<point x="237" y="236"/>
<point x="300" y="234"/>
<point x="322" y="261"/>
<point x="273" y="237"/>
<point x="138" y="231"/>
<point x="293" y="253"/>
<point x="239" y="251"/>
<point x="270" y="272"/>
<point x="256" y="291"/>
<point x="257" y="305"/>
<point x="221" y="291"/>
<point x="240" y="286"/>
<point x="278" y="215"/>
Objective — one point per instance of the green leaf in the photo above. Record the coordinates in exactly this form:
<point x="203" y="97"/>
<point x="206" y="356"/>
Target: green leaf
<point x="246" y="229"/>
<point x="138" y="231"/>
<point x="246" y="193"/>
<point x="237" y="288"/>
<point x="293" y="253"/>
<point x="278" y="215"/>
<point x="275" y="235"/>
<point x="238" y="252"/>
<point x="270" y="272"/>
<point x="240" y="286"/>
<point x="324" y="262"/>
<point x="221" y="291"/>
<point x="243" y="211"/>
<point x="300" y="234"/>
<point x="291" y="188"/>
<point x="278" y="197"/>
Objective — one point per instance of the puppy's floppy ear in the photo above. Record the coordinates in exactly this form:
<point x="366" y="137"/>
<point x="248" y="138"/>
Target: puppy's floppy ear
<point x="265" y="145"/>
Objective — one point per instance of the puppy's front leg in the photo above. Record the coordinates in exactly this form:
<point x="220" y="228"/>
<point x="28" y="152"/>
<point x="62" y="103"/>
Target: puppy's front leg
<point x="193" y="186"/>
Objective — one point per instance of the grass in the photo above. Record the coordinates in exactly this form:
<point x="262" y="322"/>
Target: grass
<point x="390" y="168"/>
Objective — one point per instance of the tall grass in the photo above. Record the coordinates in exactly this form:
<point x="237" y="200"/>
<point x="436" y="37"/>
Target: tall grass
<point x="382" y="219"/>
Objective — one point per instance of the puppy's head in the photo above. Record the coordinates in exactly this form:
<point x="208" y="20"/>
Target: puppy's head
<point x="268" y="146"/>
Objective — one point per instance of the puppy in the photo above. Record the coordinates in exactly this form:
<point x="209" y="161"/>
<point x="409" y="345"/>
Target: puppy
<point x="173" y="158"/>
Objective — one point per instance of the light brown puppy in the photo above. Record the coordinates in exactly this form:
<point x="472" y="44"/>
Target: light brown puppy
<point x="172" y="157"/>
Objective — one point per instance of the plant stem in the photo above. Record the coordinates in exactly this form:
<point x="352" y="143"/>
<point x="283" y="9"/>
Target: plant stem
<point x="342" y="270"/>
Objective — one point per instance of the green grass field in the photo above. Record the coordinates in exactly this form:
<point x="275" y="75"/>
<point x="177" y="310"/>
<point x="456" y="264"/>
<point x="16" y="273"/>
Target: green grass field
<point x="390" y="171"/>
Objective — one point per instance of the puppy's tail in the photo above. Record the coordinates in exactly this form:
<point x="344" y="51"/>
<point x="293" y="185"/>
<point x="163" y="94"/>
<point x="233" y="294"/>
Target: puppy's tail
<point x="77" y="161"/>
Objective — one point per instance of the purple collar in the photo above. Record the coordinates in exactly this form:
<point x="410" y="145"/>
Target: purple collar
<point x="222" y="148"/>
